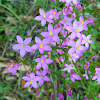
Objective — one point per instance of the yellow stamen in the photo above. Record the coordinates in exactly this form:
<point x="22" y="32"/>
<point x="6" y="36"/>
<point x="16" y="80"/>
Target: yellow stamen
<point x="54" y="13"/>
<point x="51" y="34"/>
<point x="82" y="23"/>
<point x="42" y="61"/>
<point x="11" y="65"/>
<point x="73" y="75"/>
<point x="77" y="29"/>
<point x="44" y="16"/>
<point x="31" y="81"/>
<point x="41" y="76"/>
<point x="22" y="45"/>
<point x="66" y="21"/>
<point x="41" y="45"/>
<point x="78" y="47"/>
<point x="65" y="9"/>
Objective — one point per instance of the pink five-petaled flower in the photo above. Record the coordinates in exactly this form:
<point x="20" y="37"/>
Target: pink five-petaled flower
<point x="41" y="77"/>
<point x="60" y="96"/>
<point x="69" y="67"/>
<point x="75" y="29"/>
<point x="41" y="45"/>
<point x="31" y="81"/>
<point x="69" y="93"/>
<point x="23" y="45"/>
<point x="54" y="14"/>
<point x="13" y="67"/>
<point x="97" y="76"/>
<point x="74" y="76"/>
<point x="86" y="40"/>
<point x="52" y="34"/>
<point x="43" y="17"/>
<point x="77" y="47"/>
<point x="85" y="75"/>
<point x="42" y="62"/>
<point x="86" y="66"/>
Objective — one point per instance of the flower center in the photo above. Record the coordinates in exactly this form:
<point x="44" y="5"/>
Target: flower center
<point x="42" y="61"/>
<point x="41" y="45"/>
<point x="73" y="75"/>
<point x="77" y="29"/>
<point x="82" y="23"/>
<point x="44" y="16"/>
<point x="54" y="13"/>
<point x="51" y="34"/>
<point x="11" y="65"/>
<point x="78" y="47"/>
<point x="86" y="66"/>
<point x="98" y="74"/>
<point x="22" y="45"/>
<point x="65" y="9"/>
<point x="66" y="21"/>
<point x="31" y="81"/>
<point x="41" y="76"/>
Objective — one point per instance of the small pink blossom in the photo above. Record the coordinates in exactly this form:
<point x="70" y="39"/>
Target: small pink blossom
<point x="23" y="45"/>
<point x="13" y="67"/>
<point x="42" y="62"/>
<point x="41" y="45"/>
<point x="68" y="67"/>
<point x="86" y="66"/>
<point x="31" y="81"/>
<point x="74" y="76"/>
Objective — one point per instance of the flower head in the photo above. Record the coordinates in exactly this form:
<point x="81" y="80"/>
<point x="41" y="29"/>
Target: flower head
<point x="41" y="45"/>
<point x="13" y="67"/>
<point x="74" y="76"/>
<point x="31" y="81"/>
<point x="23" y="45"/>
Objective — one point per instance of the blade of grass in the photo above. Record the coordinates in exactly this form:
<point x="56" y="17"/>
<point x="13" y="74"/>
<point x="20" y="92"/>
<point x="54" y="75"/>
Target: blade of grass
<point x="11" y="11"/>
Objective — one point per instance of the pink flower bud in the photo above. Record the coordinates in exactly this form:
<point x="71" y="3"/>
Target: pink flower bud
<point x="54" y="1"/>
<point x="28" y="33"/>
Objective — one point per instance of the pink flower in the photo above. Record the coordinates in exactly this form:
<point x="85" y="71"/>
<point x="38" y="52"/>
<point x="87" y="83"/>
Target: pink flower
<point x="52" y="34"/>
<point x="77" y="47"/>
<point x="23" y="45"/>
<point x="63" y="74"/>
<point x="28" y="32"/>
<point x="54" y="14"/>
<point x="69" y="67"/>
<point x="67" y="11"/>
<point x="61" y="58"/>
<point x="54" y="1"/>
<point x="75" y="29"/>
<point x="31" y="81"/>
<point x="41" y="77"/>
<point x="79" y="8"/>
<point x="13" y="67"/>
<point x="69" y="93"/>
<point x="43" y="17"/>
<point x="60" y="51"/>
<point x="66" y="22"/>
<point x="86" y="66"/>
<point x="85" y="75"/>
<point x="74" y="76"/>
<point x="86" y="40"/>
<point x="97" y="75"/>
<point x="42" y="62"/>
<point x="60" y="96"/>
<point x="42" y="45"/>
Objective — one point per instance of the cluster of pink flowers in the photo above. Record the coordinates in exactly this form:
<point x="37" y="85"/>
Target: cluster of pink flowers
<point x="74" y="44"/>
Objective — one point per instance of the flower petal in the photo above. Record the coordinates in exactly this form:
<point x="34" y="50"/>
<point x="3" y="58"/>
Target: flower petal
<point x="22" y="52"/>
<point x="50" y="28"/>
<point x="46" y="78"/>
<point x="27" y="40"/>
<point x="47" y="48"/>
<point x="43" y="22"/>
<point x="16" y="47"/>
<point x="19" y="39"/>
<point x="27" y="84"/>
